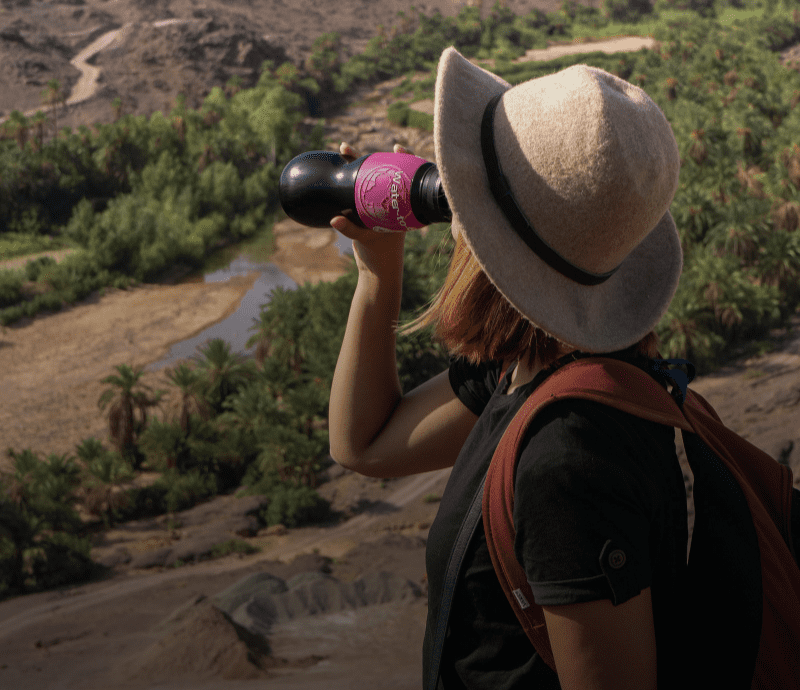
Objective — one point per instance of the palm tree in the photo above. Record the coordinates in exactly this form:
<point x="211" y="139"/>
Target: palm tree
<point x="35" y="500"/>
<point x="17" y="527"/>
<point x="252" y="407"/>
<point x="127" y="415"/>
<point x="778" y="263"/>
<point x="19" y="126"/>
<point x="191" y="386"/>
<point x="179" y="123"/>
<point x="39" y="120"/>
<point x="224" y="372"/>
<point x="117" y="105"/>
<point x="785" y="215"/>
<point x="53" y="96"/>
<point x="280" y="329"/>
<point x="104" y="472"/>
<point x="233" y="86"/>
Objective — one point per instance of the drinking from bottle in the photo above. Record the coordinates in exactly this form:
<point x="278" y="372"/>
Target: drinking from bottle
<point x="385" y="192"/>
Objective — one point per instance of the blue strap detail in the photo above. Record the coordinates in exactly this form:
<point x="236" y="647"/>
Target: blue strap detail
<point x="679" y="379"/>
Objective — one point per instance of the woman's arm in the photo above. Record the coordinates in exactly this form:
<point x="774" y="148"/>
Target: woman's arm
<point x="599" y="646"/>
<point x="366" y="387"/>
<point x="374" y="429"/>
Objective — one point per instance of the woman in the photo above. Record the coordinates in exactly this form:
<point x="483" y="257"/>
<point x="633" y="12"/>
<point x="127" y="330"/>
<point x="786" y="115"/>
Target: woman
<point x="560" y="189"/>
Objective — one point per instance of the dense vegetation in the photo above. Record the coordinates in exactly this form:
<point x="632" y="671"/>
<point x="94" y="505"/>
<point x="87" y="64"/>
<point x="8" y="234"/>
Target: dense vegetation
<point x="139" y="196"/>
<point x="732" y="107"/>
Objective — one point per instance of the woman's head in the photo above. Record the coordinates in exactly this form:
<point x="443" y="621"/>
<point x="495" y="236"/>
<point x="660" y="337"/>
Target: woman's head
<point x="472" y="319"/>
<point x="560" y="187"/>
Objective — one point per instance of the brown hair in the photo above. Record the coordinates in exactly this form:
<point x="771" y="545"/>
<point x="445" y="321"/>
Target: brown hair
<point x="473" y="320"/>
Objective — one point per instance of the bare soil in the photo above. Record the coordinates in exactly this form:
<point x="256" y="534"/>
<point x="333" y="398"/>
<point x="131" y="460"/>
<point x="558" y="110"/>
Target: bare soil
<point x="148" y="626"/>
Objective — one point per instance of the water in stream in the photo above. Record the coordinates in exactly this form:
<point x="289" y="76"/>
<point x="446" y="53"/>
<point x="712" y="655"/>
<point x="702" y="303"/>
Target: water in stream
<point x="236" y="328"/>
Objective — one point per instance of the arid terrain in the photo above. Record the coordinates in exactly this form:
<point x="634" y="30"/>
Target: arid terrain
<point x="153" y="625"/>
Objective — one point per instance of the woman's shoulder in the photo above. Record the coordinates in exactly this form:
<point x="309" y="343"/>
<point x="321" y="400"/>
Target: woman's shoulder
<point x="602" y="425"/>
<point x="576" y="440"/>
<point x="474" y="384"/>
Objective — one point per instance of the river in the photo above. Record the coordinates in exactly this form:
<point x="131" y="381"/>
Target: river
<point x="235" y="330"/>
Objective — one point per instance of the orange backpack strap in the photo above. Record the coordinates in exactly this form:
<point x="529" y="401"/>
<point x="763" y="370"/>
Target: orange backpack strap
<point x="765" y="483"/>
<point x="587" y="378"/>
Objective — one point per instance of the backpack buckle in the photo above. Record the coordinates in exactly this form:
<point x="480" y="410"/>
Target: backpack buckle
<point x="678" y="378"/>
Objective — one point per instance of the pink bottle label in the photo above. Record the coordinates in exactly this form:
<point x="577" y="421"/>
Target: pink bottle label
<point x="383" y="186"/>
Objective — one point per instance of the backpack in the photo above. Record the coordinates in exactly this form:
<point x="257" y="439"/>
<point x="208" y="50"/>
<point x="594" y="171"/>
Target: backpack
<point x="743" y="579"/>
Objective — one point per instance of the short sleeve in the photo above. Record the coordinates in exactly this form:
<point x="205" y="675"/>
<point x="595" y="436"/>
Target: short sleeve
<point x="474" y="384"/>
<point x="584" y="503"/>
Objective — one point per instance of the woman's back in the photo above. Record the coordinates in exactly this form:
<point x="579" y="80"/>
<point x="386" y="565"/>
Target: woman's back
<point x="588" y="475"/>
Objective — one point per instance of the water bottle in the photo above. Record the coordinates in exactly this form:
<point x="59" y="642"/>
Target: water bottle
<point x="386" y="192"/>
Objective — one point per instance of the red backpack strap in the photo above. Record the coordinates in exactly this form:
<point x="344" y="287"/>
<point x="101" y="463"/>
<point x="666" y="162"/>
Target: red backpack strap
<point x="765" y="483"/>
<point x="583" y="378"/>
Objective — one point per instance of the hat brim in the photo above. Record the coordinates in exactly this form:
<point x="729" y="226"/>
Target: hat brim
<point x="600" y="318"/>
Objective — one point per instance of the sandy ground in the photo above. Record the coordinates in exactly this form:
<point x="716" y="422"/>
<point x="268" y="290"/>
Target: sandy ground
<point x="51" y="392"/>
<point x="121" y="632"/>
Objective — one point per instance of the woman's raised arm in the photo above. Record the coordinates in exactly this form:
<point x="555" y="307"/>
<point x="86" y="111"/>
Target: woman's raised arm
<point x="374" y="429"/>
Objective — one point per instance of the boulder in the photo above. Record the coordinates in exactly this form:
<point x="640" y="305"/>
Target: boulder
<point x="257" y="604"/>
<point x="151" y="559"/>
<point x="201" y="642"/>
<point x="232" y="598"/>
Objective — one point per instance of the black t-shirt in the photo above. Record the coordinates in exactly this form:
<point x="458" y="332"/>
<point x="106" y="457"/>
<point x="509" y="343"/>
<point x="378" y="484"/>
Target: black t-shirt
<point x="591" y="481"/>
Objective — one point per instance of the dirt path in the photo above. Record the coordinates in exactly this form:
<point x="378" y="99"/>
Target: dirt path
<point x="20" y="261"/>
<point x="87" y="85"/>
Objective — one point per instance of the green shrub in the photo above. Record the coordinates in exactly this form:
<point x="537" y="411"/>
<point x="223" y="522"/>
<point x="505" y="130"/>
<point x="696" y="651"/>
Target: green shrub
<point x="169" y="493"/>
<point x="185" y="491"/>
<point x="233" y="546"/>
<point x="59" y="559"/>
<point x="293" y="506"/>
<point x="704" y="8"/>
<point x="774" y="33"/>
<point x="34" y="267"/>
<point x="419" y="120"/>
<point x="38" y="522"/>
<point x="164" y="445"/>
<point x="110" y="468"/>
<point x="10" y="287"/>
<point x="16" y="244"/>
<point x="48" y="301"/>
<point x="397" y="114"/>
<point x="107" y="466"/>
<point x="48" y="486"/>
<point x="11" y="315"/>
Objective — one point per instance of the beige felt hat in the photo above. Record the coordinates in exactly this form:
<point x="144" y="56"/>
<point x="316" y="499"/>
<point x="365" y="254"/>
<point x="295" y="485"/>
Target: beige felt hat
<point x="584" y="245"/>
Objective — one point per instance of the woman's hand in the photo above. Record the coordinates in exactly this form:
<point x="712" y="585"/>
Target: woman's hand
<point x="374" y="252"/>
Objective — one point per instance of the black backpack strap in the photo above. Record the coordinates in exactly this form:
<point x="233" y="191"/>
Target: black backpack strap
<point x="794" y="526"/>
<point x="453" y="568"/>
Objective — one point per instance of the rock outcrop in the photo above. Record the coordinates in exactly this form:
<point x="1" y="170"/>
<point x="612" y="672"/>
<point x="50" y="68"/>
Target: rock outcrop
<point x="261" y="601"/>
